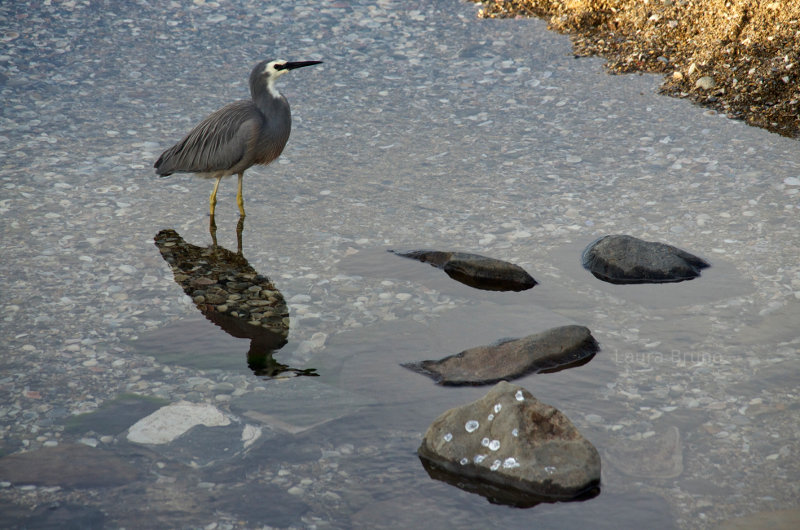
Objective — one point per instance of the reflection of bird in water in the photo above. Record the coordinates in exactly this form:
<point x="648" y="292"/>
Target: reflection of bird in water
<point x="237" y="136"/>
<point x="232" y="295"/>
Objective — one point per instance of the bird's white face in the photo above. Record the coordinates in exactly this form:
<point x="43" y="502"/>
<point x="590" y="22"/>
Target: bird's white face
<point x="273" y="68"/>
<point x="273" y="71"/>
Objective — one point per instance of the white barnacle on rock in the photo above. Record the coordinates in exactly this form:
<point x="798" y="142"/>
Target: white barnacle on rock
<point x="485" y="442"/>
<point x="490" y="417"/>
<point x="498" y="407"/>
<point x="464" y="461"/>
<point x="515" y="433"/>
<point x="448" y="437"/>
<point x="510" y="463"/>
<point x="494" y="445"/>
<point x="549" y="469"/>
<point x="479" y="458"/>
<point x="496" y="465"/>
<point x="472" y="426"/>
<point x="519" y="396"/>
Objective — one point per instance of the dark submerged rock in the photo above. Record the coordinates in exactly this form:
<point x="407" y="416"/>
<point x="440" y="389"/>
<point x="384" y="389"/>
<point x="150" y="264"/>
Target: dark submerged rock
<point x="69" y="466"/>
<point x="512" y="449"/>
<point x="52" y="516"/>
<point x="623" y="259"/>
<point x="659" y="457"/>
<point x="115" y="415"/>
<point x="549" y="351"/>
<point x="475" y="270"/>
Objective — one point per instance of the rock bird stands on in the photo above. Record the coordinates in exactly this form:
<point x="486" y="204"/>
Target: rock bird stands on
<point x="237" y="136"/>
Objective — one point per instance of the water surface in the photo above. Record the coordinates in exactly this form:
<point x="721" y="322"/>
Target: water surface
<point x="424" y="128"/>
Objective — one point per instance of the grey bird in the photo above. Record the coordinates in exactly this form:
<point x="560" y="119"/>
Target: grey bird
<point x="237" y="136"/>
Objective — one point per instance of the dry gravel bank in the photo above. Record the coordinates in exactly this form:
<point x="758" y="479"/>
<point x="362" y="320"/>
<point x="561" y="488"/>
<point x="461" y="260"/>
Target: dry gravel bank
<point x="739" y="57"/>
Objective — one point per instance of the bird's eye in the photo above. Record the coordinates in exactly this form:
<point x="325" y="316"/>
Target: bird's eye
<point x="280" y="66"/>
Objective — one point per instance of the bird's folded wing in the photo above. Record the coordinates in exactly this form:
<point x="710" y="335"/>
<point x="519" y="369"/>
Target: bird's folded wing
<point x="218" y="143"/>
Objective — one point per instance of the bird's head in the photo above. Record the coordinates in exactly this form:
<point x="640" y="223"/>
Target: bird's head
<point x="268" y="71"/>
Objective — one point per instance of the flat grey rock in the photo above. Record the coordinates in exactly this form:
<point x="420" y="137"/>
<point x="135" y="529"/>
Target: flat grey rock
<point x="625" y="259"/>
<point x="660" y="456"/>
<point x="548" y="351"/>
<point x="298" y="404"/>
<point x="203" y="446"/>
<point x="521" y="450"/>
<point x="475" y="270"/>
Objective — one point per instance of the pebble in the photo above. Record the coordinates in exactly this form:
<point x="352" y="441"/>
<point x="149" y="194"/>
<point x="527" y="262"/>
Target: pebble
<point x="223" y="387"/>
<point x="706" y="82"/>
<point x="250" y="434"/>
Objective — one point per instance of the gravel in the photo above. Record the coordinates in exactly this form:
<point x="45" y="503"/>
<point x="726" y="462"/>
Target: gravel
<point x="739" y="57"/>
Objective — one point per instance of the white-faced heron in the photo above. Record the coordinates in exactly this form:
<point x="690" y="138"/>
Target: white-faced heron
<point x="237" y="136"/>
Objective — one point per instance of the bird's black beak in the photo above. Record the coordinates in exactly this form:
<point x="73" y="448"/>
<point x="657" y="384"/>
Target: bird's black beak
<point x="299" y="64"/>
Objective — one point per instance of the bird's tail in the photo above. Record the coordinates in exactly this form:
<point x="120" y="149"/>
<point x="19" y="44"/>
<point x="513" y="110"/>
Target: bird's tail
<point x="161" y="169"/>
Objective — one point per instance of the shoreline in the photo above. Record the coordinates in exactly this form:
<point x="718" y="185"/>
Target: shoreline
<point x="734" y="57"/>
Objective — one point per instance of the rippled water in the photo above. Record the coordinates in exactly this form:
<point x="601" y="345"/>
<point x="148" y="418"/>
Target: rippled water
<point x="425" y="128"/>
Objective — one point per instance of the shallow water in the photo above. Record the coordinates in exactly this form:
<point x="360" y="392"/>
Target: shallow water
<point x="425" y="128"/>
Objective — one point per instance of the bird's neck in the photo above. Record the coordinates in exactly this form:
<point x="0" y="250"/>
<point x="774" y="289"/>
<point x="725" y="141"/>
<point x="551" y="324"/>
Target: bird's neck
<point x="272" y="90"/>
<point x="265" y="95"/>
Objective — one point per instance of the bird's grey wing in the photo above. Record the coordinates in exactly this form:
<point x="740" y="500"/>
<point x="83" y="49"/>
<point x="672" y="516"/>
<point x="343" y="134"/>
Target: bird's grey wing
<point x="217" y="143"/>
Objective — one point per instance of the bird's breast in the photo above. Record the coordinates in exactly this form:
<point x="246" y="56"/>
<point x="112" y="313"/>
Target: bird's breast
<point x="272" y="138"/>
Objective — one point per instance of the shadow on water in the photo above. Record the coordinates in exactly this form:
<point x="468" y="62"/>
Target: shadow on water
<point x="232" y="295"/>
<point x="504" y="496"/>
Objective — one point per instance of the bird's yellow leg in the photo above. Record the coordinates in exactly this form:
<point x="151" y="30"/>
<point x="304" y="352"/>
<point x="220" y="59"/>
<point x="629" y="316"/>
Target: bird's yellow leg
<point x="212" y="201"/>
<point x="239" y="198"/>
<point x="212" y="229"/>
<point x="239" y="230"/>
